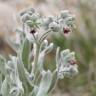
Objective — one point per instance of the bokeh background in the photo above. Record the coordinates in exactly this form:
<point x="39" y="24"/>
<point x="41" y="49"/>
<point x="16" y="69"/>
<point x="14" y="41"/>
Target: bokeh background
<point x="82" y="40"/>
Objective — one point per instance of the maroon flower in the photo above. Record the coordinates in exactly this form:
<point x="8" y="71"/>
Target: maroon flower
<point x="33" y="31"/>
<point x="66" y="30"/>
<point x="73" y="62"/>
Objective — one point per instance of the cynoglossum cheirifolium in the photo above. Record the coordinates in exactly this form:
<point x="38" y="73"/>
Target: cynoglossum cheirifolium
<point x="25" y="74"/>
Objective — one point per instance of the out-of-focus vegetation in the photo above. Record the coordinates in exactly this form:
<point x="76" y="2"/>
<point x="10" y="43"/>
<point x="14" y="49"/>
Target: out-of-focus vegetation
<point x="82" y="41"/>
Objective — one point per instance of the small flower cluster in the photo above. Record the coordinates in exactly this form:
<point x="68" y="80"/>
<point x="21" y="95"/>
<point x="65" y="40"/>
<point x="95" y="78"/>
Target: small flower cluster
<point x="61" y="23"/>
<point x="24" y="74"/>
<point x="31" y="18"/>
<point x="66" y="64"/>
<point x="33" y="22"/>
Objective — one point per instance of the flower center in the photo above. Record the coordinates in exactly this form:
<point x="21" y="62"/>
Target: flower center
<point x="66" y="30"/>
<point x="33" y="31"/>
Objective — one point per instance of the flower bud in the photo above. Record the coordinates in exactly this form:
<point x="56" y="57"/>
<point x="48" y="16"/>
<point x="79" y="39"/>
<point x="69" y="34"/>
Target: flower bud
<point x="31" y="11"/>
<point x="25" y="17"/>
<point x="35" y="17"/>
<point x="67" y="64"/>
<point x="47" y="21"/>
<point x="64" y="14"/>
<point x="70" y="20"/>
<point x="54" y="27"/>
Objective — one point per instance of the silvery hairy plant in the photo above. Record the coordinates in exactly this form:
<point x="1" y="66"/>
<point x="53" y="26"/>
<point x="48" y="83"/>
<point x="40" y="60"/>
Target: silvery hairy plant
<point x="24" y="74"/>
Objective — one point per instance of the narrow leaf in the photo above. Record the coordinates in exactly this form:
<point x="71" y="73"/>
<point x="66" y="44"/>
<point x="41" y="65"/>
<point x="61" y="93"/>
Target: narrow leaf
<point x="54" y="81"/>
<point x="45" y="84"/>
<point x="2" y="65"/>
<point x="5" y="88"/>
<point x="25" y="53"/>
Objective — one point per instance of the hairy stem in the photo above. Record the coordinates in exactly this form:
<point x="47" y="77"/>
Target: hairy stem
<point x="44" y="35"/>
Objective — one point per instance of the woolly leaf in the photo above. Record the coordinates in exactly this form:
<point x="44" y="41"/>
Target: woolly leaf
<point x="54" y="81"/>
<point x="5" y="88"/>
<point x="21" y="71"/>
<point x="2" y="65"/>
<point x="45" y="84"/>
<point x="25" y="53"/>
<point x="41" y="60"/>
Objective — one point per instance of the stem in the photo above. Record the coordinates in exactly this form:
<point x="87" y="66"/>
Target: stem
<point x="36" y="54"/>
<point x="23" y="33"/>
<point x="35" y="67"/>
<point x="44" y="35"/>
<point x="54" y="83"/>
<point x="35" y="39"/>
<point x="23" y="27"/>
<point x="36" y="47"/>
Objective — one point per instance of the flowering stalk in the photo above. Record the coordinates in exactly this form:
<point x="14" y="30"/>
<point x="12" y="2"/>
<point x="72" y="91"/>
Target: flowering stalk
<point x="24" y="74"/>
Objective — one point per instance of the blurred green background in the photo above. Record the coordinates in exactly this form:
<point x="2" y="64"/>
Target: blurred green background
<point x="82" y="40"/>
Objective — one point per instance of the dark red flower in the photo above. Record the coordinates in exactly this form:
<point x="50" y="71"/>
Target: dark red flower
<point x="33" y="31"/>
<point x="73" y="62"/>
<point x="66" y="30"/>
